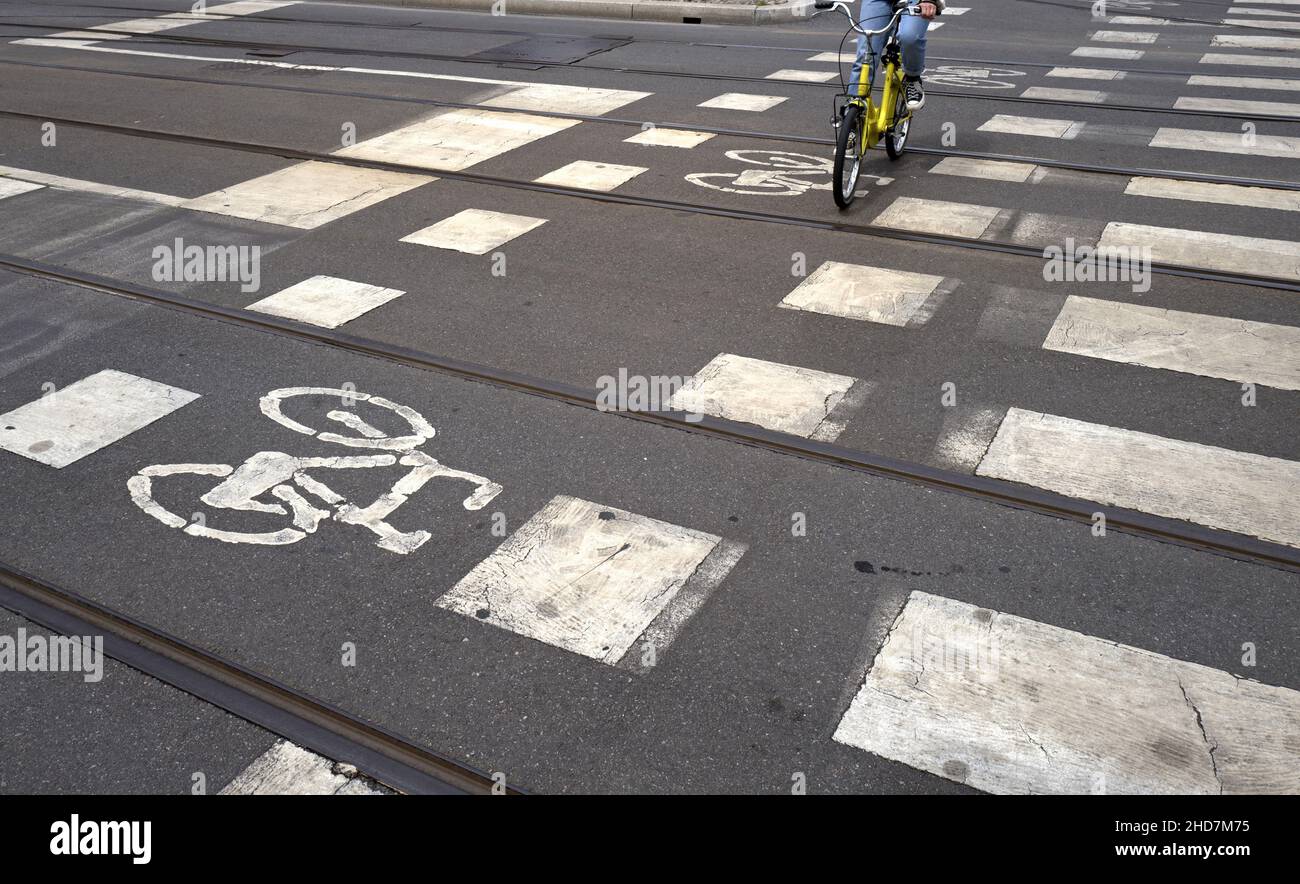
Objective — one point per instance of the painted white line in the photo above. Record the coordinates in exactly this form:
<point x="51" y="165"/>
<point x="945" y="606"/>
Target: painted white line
<point x="1235" y="106"/>
<point x="1217" y="194"/>
<point x="286" y="769"/>
<point x="326" y="301"/>
<point x="1193" y="343"/>
<point x="1277" y="13"/>
<point x="1014" y="706"/>
<point x="583" y="577"/>
<point x="1227" y="142"/>
<point x="802" y="76"/>
<point x="965" y="436"/>
<point x="834" y="57"/>
<point x="1139" y="20"/>
<point x="559" y="99"/>
<point x="61" y="183"/>
<point x="935" y="25"/>
<point x="307" y="195"/>
<point x="1230" y="490"/>
<point x="660" y="136"/>
<point x="872" y="294"/>
<point x="1125" y="36"/>
<point x="474" y="231"/>
<point x="956" y="10"/>
<point x="1264" y="83"/>
<point x="65" y="425"/>
<point x="785" y="398"/>
<point x="1263" y="61"/>
<point x="989" y="170"/>
<point x="1086" y="74"/>
<point x="1265" y="25"/>
<point x="1039" y="127"/>
<point x="590" y="175"/>
<point x="1243" y="42"/>
<point x="457" y="139"/>
<point x="1213" y="251"/>
<point x="525" y="96"/>
<point x="743" y="102"/>
<point x="1052" y="94"/>
<point x="10" y="187"/>
<point x="1105" y="52"/>
<point x="1267" y="2"/>
<point x="938" y="216"/>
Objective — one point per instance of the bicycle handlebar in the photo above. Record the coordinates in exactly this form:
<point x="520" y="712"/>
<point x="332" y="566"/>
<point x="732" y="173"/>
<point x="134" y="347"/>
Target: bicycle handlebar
<point x="826" y="5"/>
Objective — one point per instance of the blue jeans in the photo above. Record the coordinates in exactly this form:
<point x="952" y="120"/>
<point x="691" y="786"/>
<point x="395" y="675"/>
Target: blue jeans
<point x="876" y="14"/>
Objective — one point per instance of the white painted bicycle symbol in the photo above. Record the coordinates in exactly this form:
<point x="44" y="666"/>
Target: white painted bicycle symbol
<point x="289" y="478"/>
<point x="972" y="77"/>
<point x="779" y="173"/>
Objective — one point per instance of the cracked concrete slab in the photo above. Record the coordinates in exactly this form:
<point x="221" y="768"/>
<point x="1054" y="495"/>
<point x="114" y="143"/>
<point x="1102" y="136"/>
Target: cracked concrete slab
<point x="1015" y="706"/>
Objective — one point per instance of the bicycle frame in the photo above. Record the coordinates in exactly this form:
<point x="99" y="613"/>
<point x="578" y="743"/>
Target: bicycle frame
<point x="877" y="119"/>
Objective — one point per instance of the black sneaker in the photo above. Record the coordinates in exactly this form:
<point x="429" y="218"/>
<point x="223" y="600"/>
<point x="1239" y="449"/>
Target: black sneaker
<point x="915" y="93"/>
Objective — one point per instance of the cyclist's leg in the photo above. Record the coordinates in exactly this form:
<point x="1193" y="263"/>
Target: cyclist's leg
<point x="875" y="14"/>
<point x="911" y="38"/>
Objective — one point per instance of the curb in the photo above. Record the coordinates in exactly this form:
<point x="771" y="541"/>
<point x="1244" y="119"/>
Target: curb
<point x="632" y="10"/>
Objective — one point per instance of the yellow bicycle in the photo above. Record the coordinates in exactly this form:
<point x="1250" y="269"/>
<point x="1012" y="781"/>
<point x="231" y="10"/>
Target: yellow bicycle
<point x="859" y="122"/>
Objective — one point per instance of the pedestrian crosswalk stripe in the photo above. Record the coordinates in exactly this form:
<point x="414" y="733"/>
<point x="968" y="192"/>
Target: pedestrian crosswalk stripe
<point x="1236" y="106"/>
<point x="1245" y="82"/>
<point x="16" y="176"/>
<point x="13" y="187"/>
<point x="456" y="140"/>
<point x="989" y="170"/>
<point x="1219" y="488"/>
<point x="779" y="397"/>
<point x="1086" y="74"/>
<point x="326" y="301"/>
<point x="873" y="294"/>
<point x="1228" y="142"/>
<point x="561" y="99"/>
<point x="1269" y="61"/>
<point x="1207" y="249"/>
<point x="594" y="580"/>
<point x="1015" y="706"/>
<point x="938" y="216"/>
<point x="1125" y="36"/>
<point x="474" y="231"/>
<point x="1278" y="13"/>
<point x="1263" y="25"/>
<point x="1210" y="346"/>
<point x="1106" y="52"/>
<point x="1252" y="42"/>
<point x="803" y="76"/>
<point x="1218" y="194"/>
<point x="66" y="424"/>
<point x="1040" y="127"/>
<point x="743" y="102"/>
<point x="835" y="57"/>
<point x="590" y="175"/>
<point x="661" y="136"/>
<point x="1053" y="94"/>
<point x="159" y="24"/>
<point x="286" y="769"/>
<point x="306" y="195"/>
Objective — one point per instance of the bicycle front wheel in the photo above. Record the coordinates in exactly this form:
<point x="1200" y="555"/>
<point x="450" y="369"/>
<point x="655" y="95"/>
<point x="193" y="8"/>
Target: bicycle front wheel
<point x="896" y="137"/>
<point x="848" y="156"/>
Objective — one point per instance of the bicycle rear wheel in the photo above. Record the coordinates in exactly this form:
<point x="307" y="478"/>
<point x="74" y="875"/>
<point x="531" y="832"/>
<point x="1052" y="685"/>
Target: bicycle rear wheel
<point x="896" y="136"/>
<point x="848" y="156"/>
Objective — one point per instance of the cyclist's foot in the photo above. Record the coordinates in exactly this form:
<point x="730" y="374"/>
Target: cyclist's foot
<point x="914" y="91"/>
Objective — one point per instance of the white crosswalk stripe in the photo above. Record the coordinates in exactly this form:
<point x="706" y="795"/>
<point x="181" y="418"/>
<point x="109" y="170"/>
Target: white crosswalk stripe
<point x="1236" y="59"/>
<point x="1211" y="346"/>
<point x="326" y="301"/>
<point x="787" y="398"/>
<point x="286" y="769"/>
<point x="595" y="580"/>
<point x="1207" y="249"/>
<point x="1015" y="706"/>
<point x="1245" y="82"/>
<point x="1238" y="491"/>
<point x="69" y="423"/>
<point x="872" y="294"/>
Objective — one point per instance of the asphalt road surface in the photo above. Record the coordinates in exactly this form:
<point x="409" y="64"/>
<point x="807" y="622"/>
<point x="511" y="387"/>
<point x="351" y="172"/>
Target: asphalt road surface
<point x="306" y="311"/>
